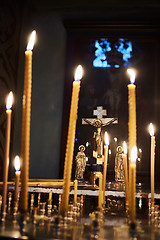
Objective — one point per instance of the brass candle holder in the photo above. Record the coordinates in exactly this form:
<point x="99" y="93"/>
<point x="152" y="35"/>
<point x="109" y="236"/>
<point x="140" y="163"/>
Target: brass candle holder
<point x="31" y="203"/>
<point x="0" y="202"/>
<point x="9" y="202"/>
<point x="42" y="211"/>
<point x="49" y="208"/>
<point x="39" y="199"/>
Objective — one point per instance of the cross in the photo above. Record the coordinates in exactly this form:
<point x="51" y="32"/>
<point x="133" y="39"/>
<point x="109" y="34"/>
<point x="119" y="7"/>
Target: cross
<point x="99" y="112"/>
<point x="99" y="121"/>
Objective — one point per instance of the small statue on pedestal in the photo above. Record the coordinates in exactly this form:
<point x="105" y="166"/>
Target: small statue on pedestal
<point x="119" y="167"/>
<point x="99" y="143"/>
<point x="80" y="163"/>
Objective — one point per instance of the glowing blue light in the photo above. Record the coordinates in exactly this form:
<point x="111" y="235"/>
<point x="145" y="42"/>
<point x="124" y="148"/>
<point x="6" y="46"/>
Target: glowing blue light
<point x="103" y="46"/>
<point x="116" y="66"/>
<point x="76" y="139"/>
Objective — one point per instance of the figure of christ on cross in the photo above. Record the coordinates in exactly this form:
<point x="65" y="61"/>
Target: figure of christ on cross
<point x="99" y="122"/>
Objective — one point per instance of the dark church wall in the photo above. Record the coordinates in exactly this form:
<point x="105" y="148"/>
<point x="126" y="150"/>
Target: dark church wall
<point x="47" y="92"/>
<point x="11" y="13"/>
<point x="49" y="68"/>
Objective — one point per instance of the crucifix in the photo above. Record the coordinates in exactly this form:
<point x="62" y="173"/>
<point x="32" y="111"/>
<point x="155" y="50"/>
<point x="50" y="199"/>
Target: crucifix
<point x="99" y="122"/>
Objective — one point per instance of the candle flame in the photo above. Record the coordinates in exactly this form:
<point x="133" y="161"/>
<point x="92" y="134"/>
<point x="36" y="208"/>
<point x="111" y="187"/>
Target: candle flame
<point x="131" y="72"/>
<point x="151" y="129"/>
<point x="31" y="41"/>
<point x="106" y="138"/>
<point x="124" y="147"/>
<point x="78" y="73"/>
<point x="17" y="163"/>
<point x="134" y="154"/>
<point x="9" y="101"/>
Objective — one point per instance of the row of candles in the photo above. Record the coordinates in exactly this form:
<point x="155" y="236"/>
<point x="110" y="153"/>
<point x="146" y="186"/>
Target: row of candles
<point x="132" y="139"/>
<point x="129" y="196"/>
<point x="6" y="157"/>
<point x="70" y="141"/>
<point x="25" y="141"/>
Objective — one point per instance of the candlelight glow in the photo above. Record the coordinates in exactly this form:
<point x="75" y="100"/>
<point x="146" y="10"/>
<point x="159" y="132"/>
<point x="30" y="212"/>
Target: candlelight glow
<point x="78" y="73"/>
<point x="124" y="147"/>
<point x="106" y="138"/>
<point x="151" y="129"/>
<point x="134" y="154"/>
<point x="31" y="41"/>
<point x="131" y="72"/>
<point x="17" y="163"/>
<point x="9" y="101"/>
<point x="87" y="144"/>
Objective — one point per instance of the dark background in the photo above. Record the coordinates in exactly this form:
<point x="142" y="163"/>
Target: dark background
<point x="98" y="83"/>
<point x="64" y="32"/>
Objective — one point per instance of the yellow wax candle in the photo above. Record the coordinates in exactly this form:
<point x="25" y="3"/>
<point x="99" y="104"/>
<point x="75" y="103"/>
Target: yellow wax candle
<point x="50" y="196"/>
<point x="100" y="197"/>
<point x="25" y="142"/>
<point x="125" y="169"/>
<point x="132" y="186"/>
<point x="151" y="129"/>
<point x="75" y="190"/>
<point x="70" y="140"/>
<point x="105" y="164"/>
<point x="17" y="176"/>
<point x="132" y="112"/>
<point x="7" y="148"/>
<point x="132" y="139"/>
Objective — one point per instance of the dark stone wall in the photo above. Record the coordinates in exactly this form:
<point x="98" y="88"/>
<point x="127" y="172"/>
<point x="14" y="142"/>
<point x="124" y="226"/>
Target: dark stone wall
<point x="10" y="26"/>
<point x="47" y="93"/>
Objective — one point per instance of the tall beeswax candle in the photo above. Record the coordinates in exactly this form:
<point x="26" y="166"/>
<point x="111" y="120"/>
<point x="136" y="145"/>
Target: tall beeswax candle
<point x="7" y="148"/>
<point x="25" y="141"/>
<point x="151" y="130"/>
<point x="70" y="140"/>
<point x="105" y="164"/>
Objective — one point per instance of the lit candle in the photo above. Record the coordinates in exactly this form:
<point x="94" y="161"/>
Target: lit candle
<point x="132" y="138"/>
<point x="25" y="144"/>
<point x="105" y="163"/>
<point x="75" y="190"/>
<point x="151" y="130"/>
<point x="71" y="140"/>
<point x="17" y="175"/>
<point x="100" y="197"/>
<point x="125" y="169"/>
<point x="132" y="186"/>
<point x="7" y="148"/>
<point x="132" y="111"/>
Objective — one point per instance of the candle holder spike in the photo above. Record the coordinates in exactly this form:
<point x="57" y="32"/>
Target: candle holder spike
<point x="0" y="202"/>
<point x="31" y="203"/>
<point x="15" y="211"/>
<point x="38" y="203"/>
<point x="49" y="208"/>
<point x="3" y="213"/>
<point x="35" y="215"/>
<point x="9" y="202"/>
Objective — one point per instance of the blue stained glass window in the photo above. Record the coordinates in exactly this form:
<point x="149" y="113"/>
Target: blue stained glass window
<point x="105" y="49"/>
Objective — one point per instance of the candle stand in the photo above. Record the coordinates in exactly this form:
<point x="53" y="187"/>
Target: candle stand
<point x="84" y="219"/>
